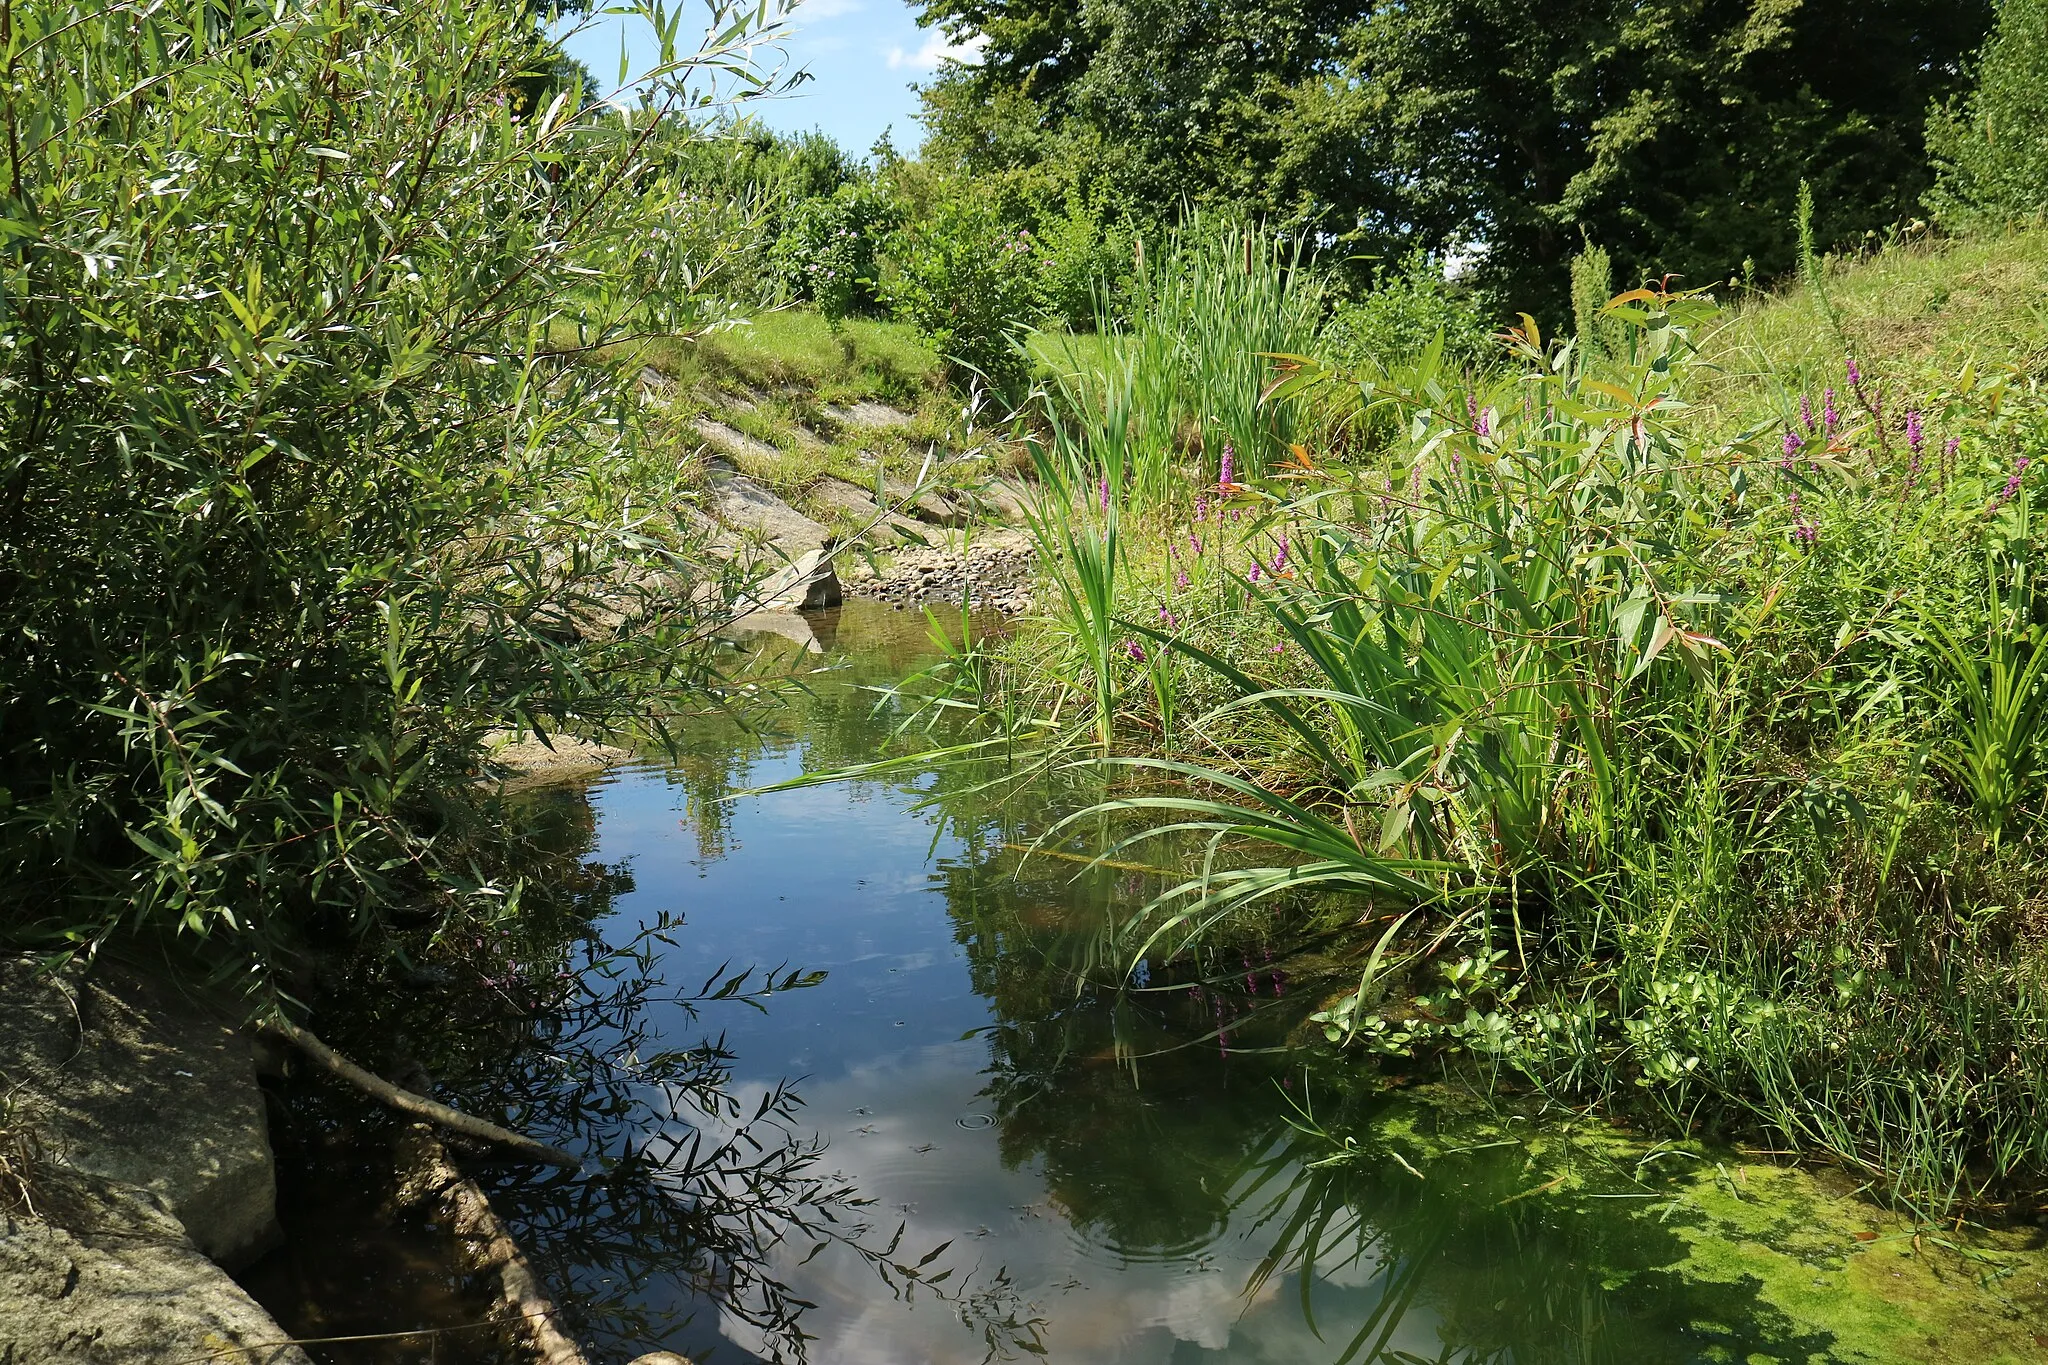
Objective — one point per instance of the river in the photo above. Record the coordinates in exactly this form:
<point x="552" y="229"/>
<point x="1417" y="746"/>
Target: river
<point x="1099" y="1169"/>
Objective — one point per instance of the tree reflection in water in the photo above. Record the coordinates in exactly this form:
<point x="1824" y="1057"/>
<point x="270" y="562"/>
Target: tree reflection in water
<point x="691" y="1193"/>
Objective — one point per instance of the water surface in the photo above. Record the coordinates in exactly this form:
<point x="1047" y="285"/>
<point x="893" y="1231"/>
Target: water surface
<point x="1124" y="1175"/>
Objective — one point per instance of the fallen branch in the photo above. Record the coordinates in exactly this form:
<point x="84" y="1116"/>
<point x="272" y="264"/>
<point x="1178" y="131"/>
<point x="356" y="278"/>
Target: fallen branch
<point x="419" y="1106"/>
<point x="427" y="1175"/>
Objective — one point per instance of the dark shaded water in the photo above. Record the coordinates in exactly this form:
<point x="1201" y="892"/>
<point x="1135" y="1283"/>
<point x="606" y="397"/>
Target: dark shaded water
<point x="1117" y="1176"/>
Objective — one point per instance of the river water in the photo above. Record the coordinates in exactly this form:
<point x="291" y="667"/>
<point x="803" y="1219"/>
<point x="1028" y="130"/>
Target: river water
<point x="1101" y="1173"/>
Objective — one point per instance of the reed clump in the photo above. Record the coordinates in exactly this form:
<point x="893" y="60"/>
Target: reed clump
<point x="1690" y="770"/>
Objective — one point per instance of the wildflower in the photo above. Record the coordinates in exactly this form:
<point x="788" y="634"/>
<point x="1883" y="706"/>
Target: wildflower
<point x="1914" y="435"/>
<point x="1855" y="375"/>
<point x="1224" y="479"/>
<point x="1280" y="557"/>
<point x="2012" y="483"/>
<point x="1194" y="543"/>
<point x="1201" y="512"/>
<point x="1135" y="650"/>
<point x="1105" y="493"/>
<point x="1280" y="648"/>
<point x="1806" y="411"/>
<point x="1794" y="443"/>
<point x="1168" y="619"/>
<point x="1180" y="580"/>
<point x="1485" y="424"/>
<point x="1253" y="576"/>
<point x="1829" y="418"/>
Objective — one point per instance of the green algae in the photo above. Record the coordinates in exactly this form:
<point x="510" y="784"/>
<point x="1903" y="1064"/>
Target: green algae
<point x="1746" y="1258"/>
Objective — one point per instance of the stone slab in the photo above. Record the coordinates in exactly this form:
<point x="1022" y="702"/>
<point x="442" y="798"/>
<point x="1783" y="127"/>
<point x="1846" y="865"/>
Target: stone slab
<point x="121" y="1077"/>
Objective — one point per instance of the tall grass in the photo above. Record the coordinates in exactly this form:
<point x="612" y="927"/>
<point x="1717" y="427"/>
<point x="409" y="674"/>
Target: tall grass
<point x="1188" y="372"/>
<point x="1619" y="729"/>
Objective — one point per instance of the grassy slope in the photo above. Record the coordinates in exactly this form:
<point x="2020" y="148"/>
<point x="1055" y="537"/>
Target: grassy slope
<point x="1912" y="313"/>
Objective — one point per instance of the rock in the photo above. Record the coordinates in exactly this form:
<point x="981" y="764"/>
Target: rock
<point x="851" y="502"/>
<point x="112" y="1279"/>
<point x="660" y="1358"/>
<point x="789" y="625"/>
<point x="734" y="443"/>
<point x="745" y="505"/>
<point x="930" y="506"/>
<point x="1007" y="498"/>
<point x="869" y="416"/>
<point x="811" y="583"/>
<point x="150" y="1155"/>
<point x="122" y="1079"/>
<point x="534" y="761"/>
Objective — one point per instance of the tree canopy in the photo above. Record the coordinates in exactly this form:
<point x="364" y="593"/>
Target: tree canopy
<point x="1675" y="133"/>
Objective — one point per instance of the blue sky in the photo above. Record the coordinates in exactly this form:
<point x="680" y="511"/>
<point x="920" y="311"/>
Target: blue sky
<point x="862" y="56"/>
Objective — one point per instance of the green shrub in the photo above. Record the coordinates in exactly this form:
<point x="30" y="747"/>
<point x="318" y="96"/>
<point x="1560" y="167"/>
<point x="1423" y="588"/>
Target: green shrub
<point x="1082" y="260"/>
<point x="829" y="250"/>
<point x="1409" y="304"/>
<point x="969" y="282"/>
<point x="1990" y="149"/>
<point x="297" y="507"/>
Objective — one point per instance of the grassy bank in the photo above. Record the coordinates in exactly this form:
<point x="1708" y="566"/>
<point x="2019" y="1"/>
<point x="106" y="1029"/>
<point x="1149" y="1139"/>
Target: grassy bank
<point x="1662" y="701"/>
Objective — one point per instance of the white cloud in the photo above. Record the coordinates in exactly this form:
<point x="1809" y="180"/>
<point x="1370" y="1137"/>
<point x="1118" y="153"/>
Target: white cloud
<point x="935" y="50"/>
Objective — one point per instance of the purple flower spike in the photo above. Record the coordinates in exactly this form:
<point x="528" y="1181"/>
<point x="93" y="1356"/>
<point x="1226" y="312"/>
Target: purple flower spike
<point x="1829" y="418"/>
<point x="1806" y="411"/>
<point x="1253" y="576"/>
<point x="1225" y="473"/>
<point x="1135" y="650"/>
<point x="1855" y="375"/>
<point x="1194" y="543"/>
<point x="1180" y="580"/>
<point x="1915" y="437"/>
<point x="1794" y="443"/>
<point x="1105" y="494"/>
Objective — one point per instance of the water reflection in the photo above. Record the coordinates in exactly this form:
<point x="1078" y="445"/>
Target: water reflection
<point x="1003" y="1147"/>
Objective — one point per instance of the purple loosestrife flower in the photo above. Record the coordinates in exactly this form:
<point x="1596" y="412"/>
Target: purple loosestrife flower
<point x="1228" y="468"/>
<point x="1168" y="619"/>
<point x="1180" y="580"/>
<point x="1135" y="650"/>
<point x="1105" y="494"/>
<point x="1806" y="411"/>
<point x="1484" y="426"/>
<point x="1280" y="557"/>
<point x="1201" y="511"/>
<point x="1855" y="375"/>
<point x="1194" y="543"/>
<point x="1829" y="418"/>
<point x="2012" y="483"/>
<point x="1915" y="437"/>
<point x="1794" y="443"/>
<point x="1253" y="576"/>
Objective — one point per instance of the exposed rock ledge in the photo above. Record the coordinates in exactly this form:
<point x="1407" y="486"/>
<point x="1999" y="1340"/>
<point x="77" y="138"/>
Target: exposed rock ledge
<point x="142" y="1160"/>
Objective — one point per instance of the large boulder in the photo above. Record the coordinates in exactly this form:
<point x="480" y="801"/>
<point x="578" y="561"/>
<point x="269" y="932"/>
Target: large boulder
<point x="139" y="1159"/>
<point x="101" y="1274"/>
<point x="121" y="1076"/>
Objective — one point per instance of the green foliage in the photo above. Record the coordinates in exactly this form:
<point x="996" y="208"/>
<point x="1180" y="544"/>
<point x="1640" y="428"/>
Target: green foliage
<point x="297" y="504"/>
<point x="1674" y="136"/>
<point x="829" y="250"/>
<point x="1597" y="333"/>
<point x="1409" y="305"/>
<point x="968" y="281"/>
<point x="1084" y="261"/>
<point x="1990" y="147"/>
<point x="1654" y="758"/>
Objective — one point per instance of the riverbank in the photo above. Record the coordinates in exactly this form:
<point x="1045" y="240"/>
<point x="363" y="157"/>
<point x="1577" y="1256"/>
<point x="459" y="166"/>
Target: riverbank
<point x="1663" y="700"/>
